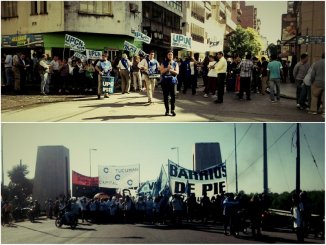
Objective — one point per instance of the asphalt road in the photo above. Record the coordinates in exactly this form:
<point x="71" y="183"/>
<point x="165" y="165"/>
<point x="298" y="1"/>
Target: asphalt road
<point x="44" y="231"/>
<point x="133" y="108"/>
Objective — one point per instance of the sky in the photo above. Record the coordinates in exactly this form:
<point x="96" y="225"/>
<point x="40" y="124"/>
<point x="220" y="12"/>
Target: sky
<point x="270" y="14"/>
<point x="150" y="146"/>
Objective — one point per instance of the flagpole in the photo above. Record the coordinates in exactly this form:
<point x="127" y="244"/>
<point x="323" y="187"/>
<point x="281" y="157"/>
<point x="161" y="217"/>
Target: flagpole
<point x="138" y="175"/>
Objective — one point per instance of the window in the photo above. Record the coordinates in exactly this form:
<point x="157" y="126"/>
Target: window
<point x="8" y="9"/>
<point x="95" y="7"/>
<point x="197" y="12"/>
<point x="43" y="7"/>
<point x="33" y="8"/>
<point x="197" y="33"/>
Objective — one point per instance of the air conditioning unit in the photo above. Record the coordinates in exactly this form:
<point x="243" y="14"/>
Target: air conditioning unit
<point x="133" y="8"/>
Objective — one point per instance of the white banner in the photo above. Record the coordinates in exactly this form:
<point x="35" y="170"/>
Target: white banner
<point x="118" y="176"/>
<point x="214" y="44"/>
<point x="142" y="37"/>
<point x="80" y="56"/>
<point x="129" y="47"/>
<point x="211" y="180"/>
<point x="146" y="188"/>
<point x="93" y="54"/>
<point x="74" y="43"/>
<point x="181" y="41"/>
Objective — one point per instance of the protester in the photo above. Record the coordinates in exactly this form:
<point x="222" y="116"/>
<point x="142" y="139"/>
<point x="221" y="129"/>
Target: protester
<point x="245" y="67"/>
<point x="9" y="71"/>
<point x="299" y="72"/>
<point x="149" y="66"/>
<point x="136" y="74"/>
<point x="274" y="74"/>
<point x="124" y="69"/>
<point x="211" y="77"/>
<point x="264" y="77"/>
<point x="255" y="212"/>
<point x="221" y="69"/>
<point x="103" y="67"/>
<point x="64" y="77"/>
<point x="55" y="74"/>
<point x="318" y="85"/>
<point x="169" y="71"/>
<point x="44" y="70"/>
<point x="297" y="210"/>
<point x="177" y="208"/>
<point x="89" y="74"/>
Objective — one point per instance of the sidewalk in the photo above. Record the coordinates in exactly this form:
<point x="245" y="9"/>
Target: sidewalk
<point x="288" y="90"/>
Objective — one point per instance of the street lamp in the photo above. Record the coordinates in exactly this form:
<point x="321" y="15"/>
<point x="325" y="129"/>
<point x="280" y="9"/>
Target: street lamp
<point x="90" y="161"/>
<point x="176" y="148"/>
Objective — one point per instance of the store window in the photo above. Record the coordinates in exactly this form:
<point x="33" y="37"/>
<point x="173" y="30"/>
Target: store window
<point x="8" y="9"/>
<point x="95" y="7"/>
<point x="43" y="7"/>
<point x="33" y="7"/>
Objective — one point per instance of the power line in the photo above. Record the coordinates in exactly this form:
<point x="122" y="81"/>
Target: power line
<point x="240" y="141"/>
<point x="313" y="157"/>
<point x="251" y="164"/>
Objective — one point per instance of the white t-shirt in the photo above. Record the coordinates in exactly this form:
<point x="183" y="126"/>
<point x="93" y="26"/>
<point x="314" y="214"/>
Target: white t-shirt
<point x="192" y="68"/>
<point x="212" y="72"/>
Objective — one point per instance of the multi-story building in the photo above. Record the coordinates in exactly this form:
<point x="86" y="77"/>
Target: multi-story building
<point x="236" y="12"/>
<point x="52" y="173"/>
<point x="42" y="25"/>
<point x="206" y="155"/>
<point x="303" y="19"/>
<point x="159" y="20"/>
<point x="249" y="16"/>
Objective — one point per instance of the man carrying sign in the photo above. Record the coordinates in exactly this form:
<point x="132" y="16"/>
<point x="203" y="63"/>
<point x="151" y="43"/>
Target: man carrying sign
<point x="103" y="67"/>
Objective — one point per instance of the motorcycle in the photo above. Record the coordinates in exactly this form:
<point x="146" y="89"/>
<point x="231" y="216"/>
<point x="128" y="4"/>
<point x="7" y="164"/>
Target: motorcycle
<point x="30" y="214"/>
<point x="61" y="220"/>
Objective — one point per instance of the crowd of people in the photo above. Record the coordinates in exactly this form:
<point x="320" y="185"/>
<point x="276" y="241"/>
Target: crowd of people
<point x="243" y="76"/>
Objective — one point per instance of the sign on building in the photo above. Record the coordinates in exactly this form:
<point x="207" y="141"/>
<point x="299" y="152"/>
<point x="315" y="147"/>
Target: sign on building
<point x="180" y="41"/>
<point x="289" y="26"/>
<point x="28" y="40"/>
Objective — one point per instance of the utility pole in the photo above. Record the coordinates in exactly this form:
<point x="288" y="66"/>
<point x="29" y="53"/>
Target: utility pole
<point x="236" y="159"/>
<point x="298" y="160"/>
<point x="265" y="159"/>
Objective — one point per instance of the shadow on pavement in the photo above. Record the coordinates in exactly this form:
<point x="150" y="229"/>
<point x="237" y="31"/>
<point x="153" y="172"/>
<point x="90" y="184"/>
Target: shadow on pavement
<point x="107" y="118"/>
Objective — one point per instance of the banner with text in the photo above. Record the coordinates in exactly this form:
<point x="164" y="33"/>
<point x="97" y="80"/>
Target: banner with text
<point x="142" y="37"/>
<point x="211" y="180"/>
<point x="75" y="43"/>
<point x="80" y="56"/>
<point x="119" y="176"/>
<point x="180" y="41"/>
<point x="79" y="179"/>
<point x="146" y="188"/>
<point x="93" y="54"/>
<point x="129" y="47"/>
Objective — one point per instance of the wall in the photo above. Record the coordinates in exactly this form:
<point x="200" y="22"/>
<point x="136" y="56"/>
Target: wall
<point x="32" y="24"/>
<point x="120" y="24"/>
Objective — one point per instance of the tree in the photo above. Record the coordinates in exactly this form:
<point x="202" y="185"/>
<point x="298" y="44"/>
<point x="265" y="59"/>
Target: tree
<point x="19" y="186"/>
<point x="242" y="41"/>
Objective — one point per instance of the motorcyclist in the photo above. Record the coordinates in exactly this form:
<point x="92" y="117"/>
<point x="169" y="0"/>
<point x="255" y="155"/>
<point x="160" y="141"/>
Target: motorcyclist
<point x="71" y="211"/>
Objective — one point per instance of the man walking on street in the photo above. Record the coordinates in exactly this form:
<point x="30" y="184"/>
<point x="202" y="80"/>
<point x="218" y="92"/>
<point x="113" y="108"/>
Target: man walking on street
<point x="274" y="75"/>
<point x="149" y="66"/>
<point x="221" y="68"/>
<point x="246" y="67"/>
<point x="44" y="70"/>
<point x="299" y="72"/>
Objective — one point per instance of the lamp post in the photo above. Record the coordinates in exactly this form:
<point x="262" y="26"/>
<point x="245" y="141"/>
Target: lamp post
<point x="176" y="148"/>
<point x="90" y="161"/>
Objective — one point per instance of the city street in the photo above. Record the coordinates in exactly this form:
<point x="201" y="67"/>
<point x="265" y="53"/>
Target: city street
<point x="44" y="231"/>
<point x="133" y="108"/>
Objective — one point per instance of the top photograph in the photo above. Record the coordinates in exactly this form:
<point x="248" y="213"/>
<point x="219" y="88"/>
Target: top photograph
<point x="162" y="61"/>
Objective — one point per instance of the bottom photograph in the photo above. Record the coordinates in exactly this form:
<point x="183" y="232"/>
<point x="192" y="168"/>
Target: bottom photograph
<point x="178" y="183"/>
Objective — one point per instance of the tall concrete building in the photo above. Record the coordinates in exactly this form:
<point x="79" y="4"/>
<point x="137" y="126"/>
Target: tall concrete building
<point x="206" y="155"/>
<point x="249" y="17"/>
<point x="52" y="173"/>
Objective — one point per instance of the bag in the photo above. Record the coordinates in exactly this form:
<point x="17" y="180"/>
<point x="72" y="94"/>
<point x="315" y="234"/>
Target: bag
<point x="307" y="78"/>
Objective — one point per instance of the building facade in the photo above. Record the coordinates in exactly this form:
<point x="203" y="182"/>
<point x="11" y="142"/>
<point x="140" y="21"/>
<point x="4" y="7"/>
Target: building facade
<point x="52" y="173"/>
<point x="249" y="17"/>
<point x="102" y="25"/>
<point x="206" y="155"/>
<point x="159" y="20"/>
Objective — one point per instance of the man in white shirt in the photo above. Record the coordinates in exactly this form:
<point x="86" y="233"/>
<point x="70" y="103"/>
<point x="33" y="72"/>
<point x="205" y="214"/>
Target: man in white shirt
<point x="55" y="73"/>
<point x="44" y="73"/>
<point x="221" y="68"/>
<point x="149" y="66"/>
<point x="8" y="70"/>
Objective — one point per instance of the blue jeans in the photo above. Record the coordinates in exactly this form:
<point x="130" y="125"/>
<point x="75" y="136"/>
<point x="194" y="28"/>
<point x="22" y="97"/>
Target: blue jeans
<point x="274" y="84"/>
<point x="9" y="77"/>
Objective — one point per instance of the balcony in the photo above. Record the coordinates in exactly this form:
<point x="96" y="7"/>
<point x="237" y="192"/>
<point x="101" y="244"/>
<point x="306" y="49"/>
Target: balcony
<point x="198" y="17"/>
<point x="197" y="38"/>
